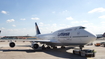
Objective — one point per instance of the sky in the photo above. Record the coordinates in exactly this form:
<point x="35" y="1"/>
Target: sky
<point x="18" y="17"/>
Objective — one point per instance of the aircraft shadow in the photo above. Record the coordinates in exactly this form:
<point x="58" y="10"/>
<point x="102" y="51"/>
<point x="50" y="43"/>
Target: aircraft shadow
<point x="63" y="54"/>
<point x="55" y="52"/>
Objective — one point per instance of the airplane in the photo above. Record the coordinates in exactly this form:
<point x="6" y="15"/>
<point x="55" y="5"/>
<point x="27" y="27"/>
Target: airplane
<point x="74" y="36"/>
<point x="100" y="35"/>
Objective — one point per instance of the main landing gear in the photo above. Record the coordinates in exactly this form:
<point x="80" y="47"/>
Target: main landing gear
<point x="54" y="47"/>
<point x="62" y="47"/>
<point x="49" y="47"/>
<point x="43" y="47"/>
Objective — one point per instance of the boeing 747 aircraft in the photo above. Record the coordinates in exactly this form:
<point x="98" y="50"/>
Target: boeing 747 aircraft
<point x="74" y="36"/>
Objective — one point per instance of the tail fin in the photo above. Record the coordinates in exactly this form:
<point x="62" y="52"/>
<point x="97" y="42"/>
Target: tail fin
<point x="37" y="29"/>
<point x="103" y="35"/>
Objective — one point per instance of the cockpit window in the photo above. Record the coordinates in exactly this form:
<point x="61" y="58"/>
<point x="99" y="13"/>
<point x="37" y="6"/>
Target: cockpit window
<point x="82" y="28"/>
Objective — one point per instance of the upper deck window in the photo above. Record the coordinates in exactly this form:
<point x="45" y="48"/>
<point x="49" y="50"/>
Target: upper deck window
<point x="82" y="28"/>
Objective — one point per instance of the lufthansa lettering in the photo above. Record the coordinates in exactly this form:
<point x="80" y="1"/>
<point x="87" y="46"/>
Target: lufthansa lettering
<point x="63" y="34"/>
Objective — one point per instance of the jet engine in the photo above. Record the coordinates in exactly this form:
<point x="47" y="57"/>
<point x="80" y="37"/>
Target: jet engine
<point x="35" y="46"/>
<point x="12" y="44"/>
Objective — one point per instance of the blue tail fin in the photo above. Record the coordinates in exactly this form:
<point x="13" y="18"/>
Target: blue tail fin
<point x="37" y="29"/>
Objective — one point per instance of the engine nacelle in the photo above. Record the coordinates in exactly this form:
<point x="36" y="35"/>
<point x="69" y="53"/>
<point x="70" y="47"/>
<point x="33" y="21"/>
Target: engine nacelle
<point x="35" y="46"/>
<point x="12" y="44"/>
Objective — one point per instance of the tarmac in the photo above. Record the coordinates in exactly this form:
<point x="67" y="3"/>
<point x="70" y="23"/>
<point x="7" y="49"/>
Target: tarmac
<point x="26" y="52"/>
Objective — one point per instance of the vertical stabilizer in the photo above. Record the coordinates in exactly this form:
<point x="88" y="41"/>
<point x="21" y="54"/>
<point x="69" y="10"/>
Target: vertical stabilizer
<point x="103" y="35"/>
<point x="37" y="29"/>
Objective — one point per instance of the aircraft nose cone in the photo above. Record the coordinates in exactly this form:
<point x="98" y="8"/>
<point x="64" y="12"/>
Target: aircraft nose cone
<point x="92" y="37"/>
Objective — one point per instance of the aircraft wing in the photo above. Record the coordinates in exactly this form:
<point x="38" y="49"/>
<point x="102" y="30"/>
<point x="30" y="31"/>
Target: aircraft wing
<point x="25" y="40"/>
<point x="29" y="40"/>
<point x="39" y="40"/>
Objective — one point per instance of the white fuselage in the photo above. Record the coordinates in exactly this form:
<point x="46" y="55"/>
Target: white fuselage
<point x="70" y="36"/>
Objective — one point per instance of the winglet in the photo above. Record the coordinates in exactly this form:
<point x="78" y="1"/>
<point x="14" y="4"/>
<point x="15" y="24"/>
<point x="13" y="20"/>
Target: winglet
<point x="37" y="29"/>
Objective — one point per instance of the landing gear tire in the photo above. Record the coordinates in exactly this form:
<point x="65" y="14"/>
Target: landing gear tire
<point x="73" y="52"/>
<point x="48" y="47"/>
<point x="62" y="47"/>
<point x="43" y="47"/>
<point x="54" y="47"/>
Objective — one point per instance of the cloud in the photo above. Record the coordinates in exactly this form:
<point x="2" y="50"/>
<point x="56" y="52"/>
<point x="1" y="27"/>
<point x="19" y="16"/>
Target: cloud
<point x="23" y="19"/>
<point x="4" y="12"/>
<point x="41" y="23"/>
<point x="94" y="28"/>
<point x="64" y="12"/>
<point x="97" y="10"/>
<point x="35" y="18"/>
<point x="14" y="25"/>
<point x="79" y="22"/>
<point x="2" y="28"/>
<point x="102" y="17"/>
<point x="54" y="24"/>
<point x="10" y="20"/>
<point x="103" y="22"/>
<point x="69" y="18"/>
